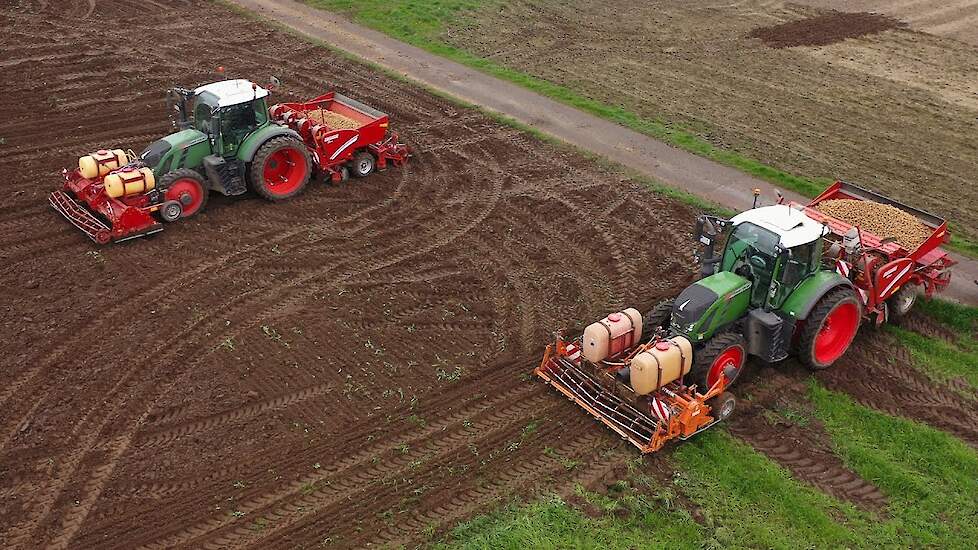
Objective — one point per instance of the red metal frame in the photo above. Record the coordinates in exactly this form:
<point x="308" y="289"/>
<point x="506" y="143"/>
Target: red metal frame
<point x="106" y="219"/>
<point x="635" y="420"/>
<point x="890" y="265"/>
<point x="332" y="148"/>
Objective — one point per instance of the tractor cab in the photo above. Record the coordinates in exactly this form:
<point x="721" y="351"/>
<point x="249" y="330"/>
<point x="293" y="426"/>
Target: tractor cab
<point x="770" y="253"/>
<point x="774" y="247"/>
<point x="228" y="112"/>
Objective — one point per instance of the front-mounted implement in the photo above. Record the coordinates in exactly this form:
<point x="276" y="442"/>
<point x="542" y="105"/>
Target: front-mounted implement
<point x="227" y="141"/>
<point x="650" y="410"/>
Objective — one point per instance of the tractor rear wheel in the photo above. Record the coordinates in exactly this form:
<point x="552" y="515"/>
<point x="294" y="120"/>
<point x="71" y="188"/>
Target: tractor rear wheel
<point x="724" y="350"/>
<point x="829" y="329"/>
<point x="902" y="302"/>
<point x="187" y="187"/>
<point x="658" y="317"/>
<point x="281" y="168"/>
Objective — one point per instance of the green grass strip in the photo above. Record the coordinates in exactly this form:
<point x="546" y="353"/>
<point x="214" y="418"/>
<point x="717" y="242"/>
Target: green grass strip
<point x="963" y="319"/>
<point x="551" y="523"/>
<point x="929" y="476"/>
<point x="939" y="359"/>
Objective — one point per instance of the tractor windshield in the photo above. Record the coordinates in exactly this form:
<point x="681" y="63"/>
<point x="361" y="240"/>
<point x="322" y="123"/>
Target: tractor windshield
<point x="752" y="252"/>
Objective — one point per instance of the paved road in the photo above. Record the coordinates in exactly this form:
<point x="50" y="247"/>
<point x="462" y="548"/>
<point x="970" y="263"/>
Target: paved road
<point x="662" y="162"/>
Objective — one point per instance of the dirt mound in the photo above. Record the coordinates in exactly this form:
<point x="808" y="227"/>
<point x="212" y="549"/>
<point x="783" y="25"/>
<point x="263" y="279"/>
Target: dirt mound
<point x="825" y="29"/>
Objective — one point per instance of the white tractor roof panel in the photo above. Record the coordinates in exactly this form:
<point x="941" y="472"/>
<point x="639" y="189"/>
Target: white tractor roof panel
<point x="233" y="92"/>
<point x="793" y="226"/>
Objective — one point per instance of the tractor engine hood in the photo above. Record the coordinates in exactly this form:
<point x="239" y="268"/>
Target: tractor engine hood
<point x="703" y="305"/>
<point x="160" y="150"/>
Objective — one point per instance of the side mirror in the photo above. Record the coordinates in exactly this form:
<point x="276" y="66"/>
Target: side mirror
<point x="276" y="82"/>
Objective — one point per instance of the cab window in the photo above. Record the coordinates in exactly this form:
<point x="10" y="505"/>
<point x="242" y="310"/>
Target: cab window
<point x="795" y="265"/>
<point x="202" y="118"/>
<point x="798" y="264"/>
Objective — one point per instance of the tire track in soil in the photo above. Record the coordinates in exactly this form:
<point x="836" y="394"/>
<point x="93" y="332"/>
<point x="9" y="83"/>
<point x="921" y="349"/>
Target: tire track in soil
<point x="484" y="217"/>
<point x="805" y="450"/>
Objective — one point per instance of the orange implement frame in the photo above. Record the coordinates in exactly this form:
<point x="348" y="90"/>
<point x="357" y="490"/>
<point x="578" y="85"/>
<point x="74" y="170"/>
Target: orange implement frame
<point x="689" y="412"/>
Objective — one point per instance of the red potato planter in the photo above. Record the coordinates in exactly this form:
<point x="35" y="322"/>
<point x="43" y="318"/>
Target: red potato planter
<point x="341" y="152"/>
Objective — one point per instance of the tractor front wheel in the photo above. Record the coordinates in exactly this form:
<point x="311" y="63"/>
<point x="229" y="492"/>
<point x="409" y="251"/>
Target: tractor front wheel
<point x="727" y="350"/>
<point x="186" y="187"/>
<point x="829" y="329"/>
<point x="281" y="168"/>
<point x="658" y="317"/>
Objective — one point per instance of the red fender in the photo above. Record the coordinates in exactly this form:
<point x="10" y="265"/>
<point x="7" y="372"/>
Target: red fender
<point x="890" y="277"/>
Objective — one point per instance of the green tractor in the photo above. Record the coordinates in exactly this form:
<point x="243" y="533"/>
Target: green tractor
<point x="228" y="142"/>
<point x="767" y="294"/>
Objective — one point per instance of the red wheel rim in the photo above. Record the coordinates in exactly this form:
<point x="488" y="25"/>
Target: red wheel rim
<point x="284" y="171"/>
<point x="187" y="187"/>
<point x="838" y="330"/>
<point x="731" y="357"/>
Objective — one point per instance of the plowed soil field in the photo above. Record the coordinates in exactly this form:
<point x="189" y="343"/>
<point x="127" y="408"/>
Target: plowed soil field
<point x="349" y="367"/>
<point x="894" y="110"/>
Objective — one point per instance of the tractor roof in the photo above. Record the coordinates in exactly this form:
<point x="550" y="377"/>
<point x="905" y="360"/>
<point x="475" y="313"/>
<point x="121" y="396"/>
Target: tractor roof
<point x="232" y="92"/>
<point x="794" y="227"/>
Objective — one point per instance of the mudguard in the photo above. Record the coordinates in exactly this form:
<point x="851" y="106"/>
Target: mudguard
<point x="250" y="145"/>
<point x="810" y="291"/>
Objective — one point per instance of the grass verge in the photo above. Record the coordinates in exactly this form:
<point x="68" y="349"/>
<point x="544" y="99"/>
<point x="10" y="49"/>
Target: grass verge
<point x="942" y="359"/>
<point x="747" y="501"/>
<point x="421" y="23"/>
<point x="927" y="475"/>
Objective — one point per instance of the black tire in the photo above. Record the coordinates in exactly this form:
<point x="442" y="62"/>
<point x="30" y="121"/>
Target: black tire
<point x="363" y="164"/>
<point x="659" y="316"/>
<point x="171" y="211"/>
<point x="722" y="406"/>
<point x="187" y="187"/>
<point x="902" y="302"/>
<point x="704" y="360"/>
<point x="809" y="342"/>
<point x="268" y="156"/>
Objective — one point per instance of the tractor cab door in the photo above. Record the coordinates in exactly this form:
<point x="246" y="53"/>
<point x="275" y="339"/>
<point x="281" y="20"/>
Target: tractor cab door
<point x="752" y="252"/>
<point x="794" y="265"/>
<point x="237" y="122"/>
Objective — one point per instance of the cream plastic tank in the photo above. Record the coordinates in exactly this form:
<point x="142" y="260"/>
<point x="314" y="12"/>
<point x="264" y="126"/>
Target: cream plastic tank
<point x="129" y="181"/>
<point x="101" y="162"/>
<point x="661" y="364"/>
<point x="612" y="335"/>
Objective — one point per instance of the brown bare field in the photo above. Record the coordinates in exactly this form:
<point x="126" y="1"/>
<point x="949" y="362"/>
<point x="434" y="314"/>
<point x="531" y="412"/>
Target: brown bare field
<point x="350" y="366"/>
<point x="896" y="111"/>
